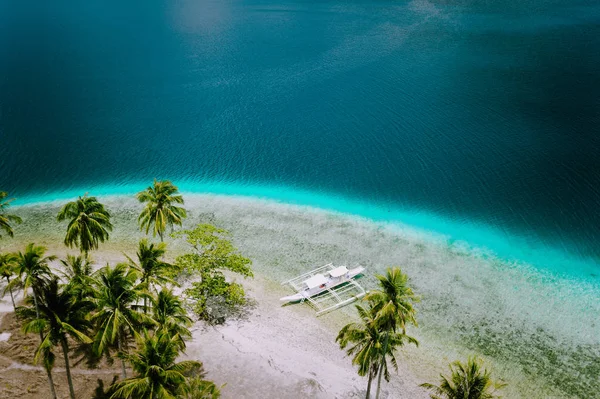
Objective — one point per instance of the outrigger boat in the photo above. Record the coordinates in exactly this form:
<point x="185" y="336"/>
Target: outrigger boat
<point x="322" y="282"/>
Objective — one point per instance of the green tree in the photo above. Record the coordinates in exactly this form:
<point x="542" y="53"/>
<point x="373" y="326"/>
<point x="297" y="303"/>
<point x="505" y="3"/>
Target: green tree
<point x="154" y="271"/>
<point x="213" y="253"/>
<point x="117" y="318"/>
<point x="78" y="271"/>
<point x="199" y="388"/>
<point x="466" y="381"/>
<point x="368" y="342"/>
<point x="171" y="316"/>
<point x="89" y="223"/>
<point x="160" y="211"/>
<point x="33" y="271"/>
<point x="393" y="305"/>
<point x="60" y="315"/>
<point x="8" y="266"/>
<point x="5" y="218"/>
<point x="157" y="375"/>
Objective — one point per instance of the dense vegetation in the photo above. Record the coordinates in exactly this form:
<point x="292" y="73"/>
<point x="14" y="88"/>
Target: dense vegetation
<point x="127" y="311"/>
<point x="130" y="310"/>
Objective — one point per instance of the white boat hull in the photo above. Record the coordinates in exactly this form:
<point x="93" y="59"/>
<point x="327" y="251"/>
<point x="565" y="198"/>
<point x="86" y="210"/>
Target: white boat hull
<point x="331" y="283"/>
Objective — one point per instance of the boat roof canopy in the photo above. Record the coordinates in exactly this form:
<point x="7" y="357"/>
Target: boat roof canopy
<point x="315" y="281"/>
<point x="338" y="271"/>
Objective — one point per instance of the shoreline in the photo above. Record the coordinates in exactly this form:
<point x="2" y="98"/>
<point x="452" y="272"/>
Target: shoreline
<point x="470" y="304"/>
<point x="475" y="237"/>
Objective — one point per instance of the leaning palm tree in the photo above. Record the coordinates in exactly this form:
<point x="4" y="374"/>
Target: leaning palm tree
<point x="8" y="265"/>
<point x="160" y="211"/>
<point x="60" y="315"/>
<point x="393" y="305"/>
<point x="157" y="375"/>
<point x="5" y="218"/>
<point x="117" y="319"/>
<point x="89" y="223"/>
<point x="171" y="316"/>
<point x="466" y="381"/>
<point x="153" y="269"/>
<point x="78" y="270"/>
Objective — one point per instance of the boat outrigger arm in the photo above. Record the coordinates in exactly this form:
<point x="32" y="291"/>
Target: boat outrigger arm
<point x="326" y="288"/>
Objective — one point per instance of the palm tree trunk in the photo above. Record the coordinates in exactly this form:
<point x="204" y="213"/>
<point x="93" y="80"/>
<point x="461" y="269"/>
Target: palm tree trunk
<point x="123" y="371"/>
<point x="65" y="348"/>
<point x="385" y="348"/>
<point x="48" y="371"/>
<point x="12" y="298"/>
<point x="51" y="382"/>
<point x="145" y="298"/>
<point x="369" y="384"/>
<point x="37" y="309"/>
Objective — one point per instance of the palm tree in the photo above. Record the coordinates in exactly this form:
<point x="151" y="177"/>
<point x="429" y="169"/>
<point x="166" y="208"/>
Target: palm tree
<point x="78" y="272"/>
<point x="157" y="374"/>
<point x="5" y="218"/>
<point x="89" y="223"/>
<point x="393" y="307"/>
<point x="198" y="388"/>
<point x="171" y="316"/>
<point x="60" y="315"/>
<point x="160" y="210"/>
<point x="466" y="381"/>
<point x="153" y="270"/>
<point x="116" y="317"/>
<point x="33" y="271"/>
<point x="368" y="340"/>
<point x="8" y="265"/>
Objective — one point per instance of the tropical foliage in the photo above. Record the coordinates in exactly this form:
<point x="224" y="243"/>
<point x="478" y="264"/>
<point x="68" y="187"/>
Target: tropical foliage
<point x="393" y="307"/>
<point x="466" y="381"/>
<point x="89" y="223"/>
<point x="78" y="270"/>
<point x="213" y="297"/>
<point x="154" y="271"/>
<point x="171" y="316"/>
<point x="98" y="314"/>
<point x="117" y="318"/>
<point x="157" y="374"/>
<point x="58" y="315"/>
<point x="382" y="328"/>
<point x="161" y="211"/>
<point x="33" y="272"/>
<point x="8" y="266"/>
<point x="32" y="269"/>
<point x="6" y="219"/>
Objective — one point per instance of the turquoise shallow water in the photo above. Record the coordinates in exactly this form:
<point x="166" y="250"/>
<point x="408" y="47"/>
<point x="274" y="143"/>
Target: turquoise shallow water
<point x="474" y="120"/>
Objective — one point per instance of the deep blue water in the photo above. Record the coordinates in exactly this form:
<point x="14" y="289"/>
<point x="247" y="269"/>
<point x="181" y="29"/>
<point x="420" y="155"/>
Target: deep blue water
<point x="475" y="112"/>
